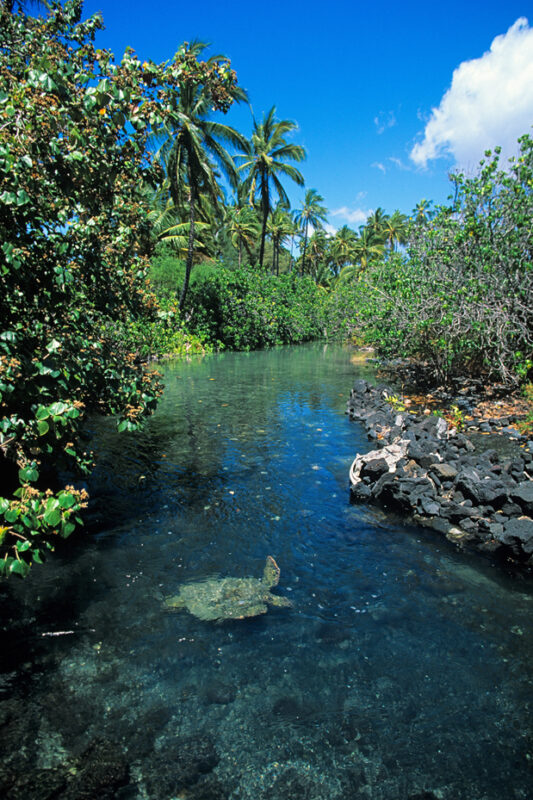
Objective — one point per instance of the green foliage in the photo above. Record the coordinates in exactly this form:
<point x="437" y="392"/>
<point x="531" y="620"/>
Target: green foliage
<point x="244" y="310"/>
<point x="166" y="271"/>
<point x="526" y="425"/>
<point x="75" y="238"/>
<point x="461" y="298"/>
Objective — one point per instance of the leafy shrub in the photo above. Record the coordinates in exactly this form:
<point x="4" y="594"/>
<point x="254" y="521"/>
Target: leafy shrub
<point x="243" y="309"/>
<point x="461" y="297"/>
<point x="75" y="237"/>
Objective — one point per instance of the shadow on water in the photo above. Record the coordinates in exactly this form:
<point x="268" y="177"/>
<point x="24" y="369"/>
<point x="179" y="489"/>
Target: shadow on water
<point x="401" y="670"/>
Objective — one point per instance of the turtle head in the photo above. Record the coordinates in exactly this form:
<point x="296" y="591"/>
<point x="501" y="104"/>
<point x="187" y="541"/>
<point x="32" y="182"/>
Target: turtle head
<point x="271" y="573"/>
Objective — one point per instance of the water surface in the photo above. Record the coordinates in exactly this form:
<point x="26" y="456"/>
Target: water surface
<point x="402" y="669"/>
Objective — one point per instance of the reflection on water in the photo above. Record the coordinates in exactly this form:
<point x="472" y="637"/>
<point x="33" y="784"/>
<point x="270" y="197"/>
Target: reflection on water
<point x="402" y="669"/>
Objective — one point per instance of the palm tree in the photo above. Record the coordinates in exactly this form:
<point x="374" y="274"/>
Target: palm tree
<point x="343" y="247"/>
<point x="193" y="154"/>
<point x="369" y="245"/>
<point x="243" y="228"/>
<point x="395" y="229"/>
<point x="267" y="154"/>
<point x="318" y="258"/>
<point x="312" y="213"/>
<point x="377" y="221"/>
<point x="421" y="210"/>
<point x="280" y="227"/>
<point x="166" y="221"/>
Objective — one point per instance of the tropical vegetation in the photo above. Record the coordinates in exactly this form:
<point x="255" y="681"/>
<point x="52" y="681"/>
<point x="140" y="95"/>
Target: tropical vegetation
<point x="135" y="223"/>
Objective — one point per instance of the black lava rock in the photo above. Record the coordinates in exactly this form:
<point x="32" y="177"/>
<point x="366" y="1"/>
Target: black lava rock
<point x="491" y="496"/>
<point x="374" y="469"/>
<point x="518" y="533"/>
<point x="523" y="495"/>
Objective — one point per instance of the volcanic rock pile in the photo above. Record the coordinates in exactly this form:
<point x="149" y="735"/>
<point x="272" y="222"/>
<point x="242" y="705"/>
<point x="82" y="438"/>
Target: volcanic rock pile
<point x="424" y="468"/>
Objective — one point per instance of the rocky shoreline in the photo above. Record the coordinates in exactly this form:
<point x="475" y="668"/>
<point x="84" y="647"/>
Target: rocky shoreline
<point x="423" y="468"/>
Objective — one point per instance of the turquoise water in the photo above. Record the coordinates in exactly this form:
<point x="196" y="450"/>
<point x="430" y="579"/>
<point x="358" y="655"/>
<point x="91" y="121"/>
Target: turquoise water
<point x="402" y="669"/>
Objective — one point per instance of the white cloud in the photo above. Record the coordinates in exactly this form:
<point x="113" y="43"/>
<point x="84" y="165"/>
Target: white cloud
<point x="354" y="216"/>
<point x="380" y="166"/>
<point x="398" y="163"/>
<point x="384" y="120"/>
<point x="489" y="103"/>
<point x="331" y="230"/>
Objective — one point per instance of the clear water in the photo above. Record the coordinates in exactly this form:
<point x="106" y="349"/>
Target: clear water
<point x="402" y="670"/>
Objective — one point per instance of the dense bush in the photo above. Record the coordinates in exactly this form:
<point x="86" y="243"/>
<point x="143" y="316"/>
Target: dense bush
<point x="346" y="312"/>
<point x="244" y="309"/>
<point x="461" y="297"/>
<point x="75" y="235"/>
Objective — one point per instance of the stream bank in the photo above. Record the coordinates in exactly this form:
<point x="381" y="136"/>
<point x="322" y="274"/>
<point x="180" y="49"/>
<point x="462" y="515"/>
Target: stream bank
<point x="422" y="467"/>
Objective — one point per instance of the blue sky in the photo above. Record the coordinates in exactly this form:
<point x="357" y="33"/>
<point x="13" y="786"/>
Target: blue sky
<point x="388" y="97"/>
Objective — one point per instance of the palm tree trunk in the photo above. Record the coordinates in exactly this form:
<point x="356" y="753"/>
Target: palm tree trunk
<point x="190" y="249"/>
<point x="263" y="237"/>
<point x="305" y="246"/>
<point x="265" y="203"/>
<point x="291" y="262"/>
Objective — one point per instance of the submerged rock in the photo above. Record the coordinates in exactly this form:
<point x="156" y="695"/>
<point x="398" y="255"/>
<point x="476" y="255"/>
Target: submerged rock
<point x="102" y="770"/>
<point x="180" y="766"/>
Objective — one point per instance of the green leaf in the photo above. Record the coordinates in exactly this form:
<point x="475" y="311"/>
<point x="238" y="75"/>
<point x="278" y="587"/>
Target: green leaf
<point x="52" y="515"/>
<point x="67" y="528"/>
<point x="19" y="568"/>
<point x="28" y="474"/>
<point x="42" y="413"/>
<point x="43" y="427"/>
<point x="53" y="346"/>
<point x="57" y="408"/>
<point x="66" y="500"/>
<point x="22" y="198"/>
<point x="52" y="518"/>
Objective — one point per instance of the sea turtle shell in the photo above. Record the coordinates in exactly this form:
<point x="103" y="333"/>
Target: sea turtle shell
<point x="230" y="598"/>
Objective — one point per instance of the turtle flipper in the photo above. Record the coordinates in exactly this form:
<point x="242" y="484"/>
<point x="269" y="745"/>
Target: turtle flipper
<point x="175" y="602"/>
<point x="280" y="602"/>
<point x="271" y="573"/>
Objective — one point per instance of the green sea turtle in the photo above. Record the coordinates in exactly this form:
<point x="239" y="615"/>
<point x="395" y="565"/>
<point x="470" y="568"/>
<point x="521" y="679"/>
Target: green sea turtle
<point x="230" y="598"/>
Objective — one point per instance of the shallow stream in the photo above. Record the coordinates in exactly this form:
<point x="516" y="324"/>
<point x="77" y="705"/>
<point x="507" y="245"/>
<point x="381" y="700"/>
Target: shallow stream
<point x="402" y="669"/>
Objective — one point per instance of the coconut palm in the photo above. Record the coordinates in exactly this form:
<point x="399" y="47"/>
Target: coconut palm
<point x="242" y="226"/>
<point x="377" y="221"/>
<point x="421" y="210"/>
<point x="312" y="213"/>
<point x="343" y="247"/>
<point x="280" y="228"/>
<point x="266" y="157"/>
<point x="318" y="258"/>
<point x="166" y="221"/>
<point x="194" y="156"/>
<point x="369" y="246"/>
<point x="395" y="229"/>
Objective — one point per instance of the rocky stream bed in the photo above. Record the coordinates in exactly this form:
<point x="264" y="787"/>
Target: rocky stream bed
<point x="424" y="468"/>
